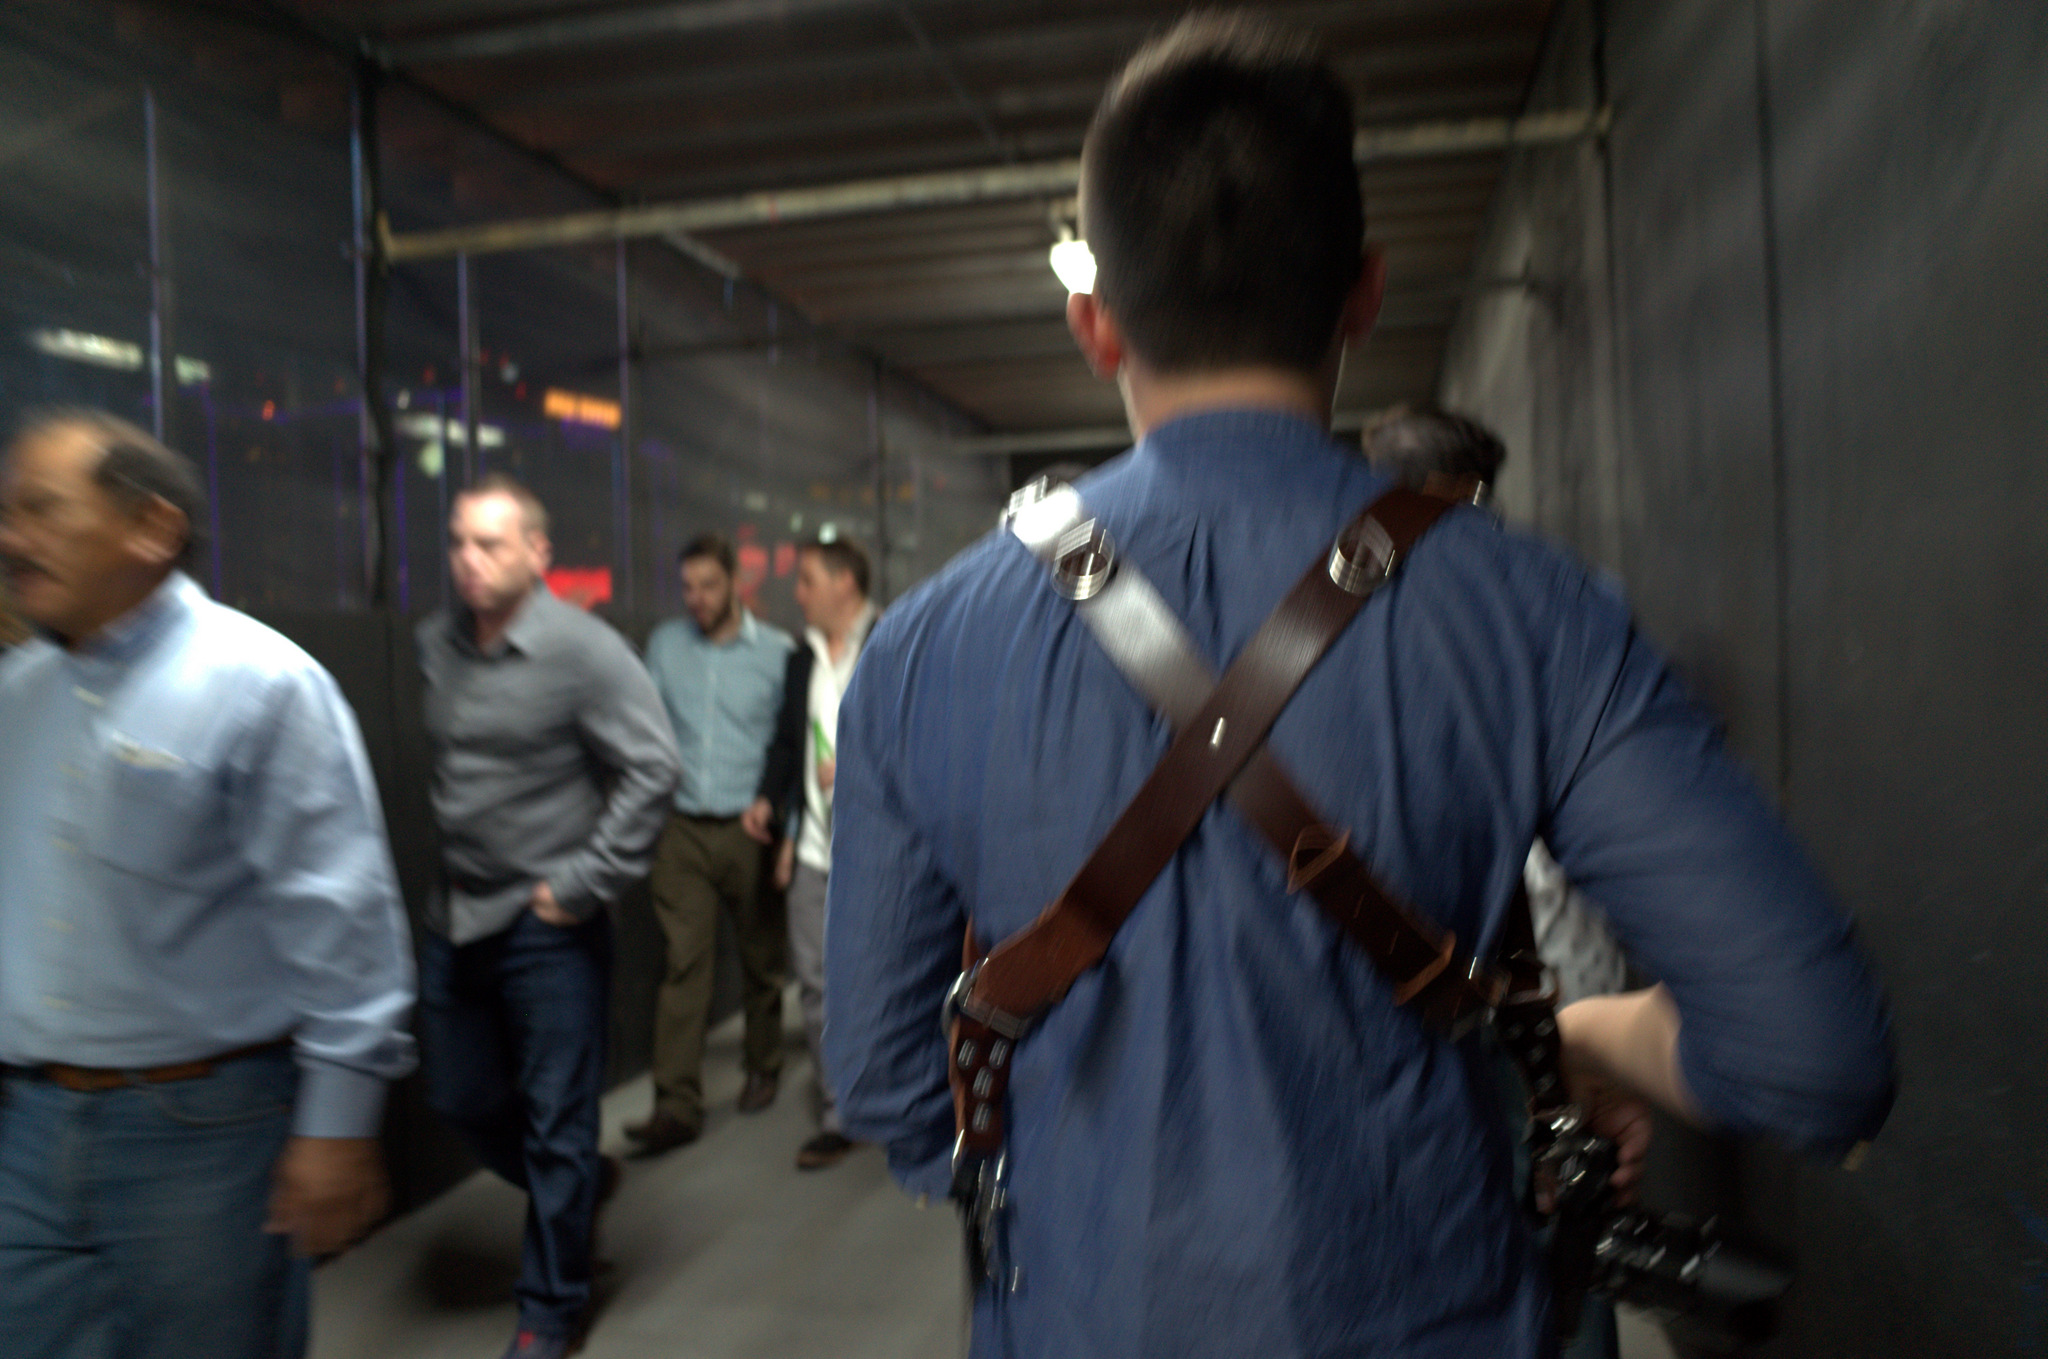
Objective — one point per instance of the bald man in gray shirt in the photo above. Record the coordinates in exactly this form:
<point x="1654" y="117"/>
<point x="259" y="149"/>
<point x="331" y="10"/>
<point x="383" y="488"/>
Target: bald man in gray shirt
<point x="553" y="768"/>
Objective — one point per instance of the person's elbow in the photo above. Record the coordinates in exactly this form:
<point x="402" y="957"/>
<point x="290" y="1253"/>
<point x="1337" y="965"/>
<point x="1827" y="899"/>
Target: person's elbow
<point x="1820" y="1079"/>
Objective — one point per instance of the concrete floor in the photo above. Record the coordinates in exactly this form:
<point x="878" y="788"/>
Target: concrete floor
<point x="720" y="1250"/>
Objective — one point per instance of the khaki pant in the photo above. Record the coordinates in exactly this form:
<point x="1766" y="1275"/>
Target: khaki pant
<point x="701" y="864"/>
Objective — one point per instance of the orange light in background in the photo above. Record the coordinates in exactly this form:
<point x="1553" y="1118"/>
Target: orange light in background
<point x="269" y="410"/>
<point x="575" y="408"/>
<point x="584" y="586"/>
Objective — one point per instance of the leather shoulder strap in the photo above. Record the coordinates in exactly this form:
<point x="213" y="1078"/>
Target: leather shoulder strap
<point x="1222" y="736"/>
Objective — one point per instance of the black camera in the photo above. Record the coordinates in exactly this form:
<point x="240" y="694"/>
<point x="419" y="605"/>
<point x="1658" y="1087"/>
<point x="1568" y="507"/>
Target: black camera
<point x="1664" y="1263"/>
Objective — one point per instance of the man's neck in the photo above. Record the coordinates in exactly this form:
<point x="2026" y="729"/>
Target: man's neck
<point x="839" y="631"/>
<point x="116" y="612"/>
<point x="724" y="631"/>
<point x="490" y="627"/>
<point x="1152" y="399"/>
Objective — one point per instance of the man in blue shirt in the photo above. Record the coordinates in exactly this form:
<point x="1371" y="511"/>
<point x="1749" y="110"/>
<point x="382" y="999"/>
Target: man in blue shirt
<point x="720" y="674"/>
<point x="204" y="973"/>
<point x="1227" y="1140"/>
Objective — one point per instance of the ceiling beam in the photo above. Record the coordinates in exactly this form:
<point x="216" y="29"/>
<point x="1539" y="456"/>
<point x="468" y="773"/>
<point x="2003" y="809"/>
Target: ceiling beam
<point x="1473" y="136"/>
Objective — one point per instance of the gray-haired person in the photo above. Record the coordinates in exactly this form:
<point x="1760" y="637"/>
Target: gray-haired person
<point x="204" y="972"/>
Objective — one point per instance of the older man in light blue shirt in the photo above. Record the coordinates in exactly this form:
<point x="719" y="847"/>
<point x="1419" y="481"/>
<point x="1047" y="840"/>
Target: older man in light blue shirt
<point x="720" y="672"/>
<point x="203" y="964"/>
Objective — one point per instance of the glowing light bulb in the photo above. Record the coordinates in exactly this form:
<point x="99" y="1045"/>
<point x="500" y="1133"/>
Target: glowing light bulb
<point x="1075" y="265"/>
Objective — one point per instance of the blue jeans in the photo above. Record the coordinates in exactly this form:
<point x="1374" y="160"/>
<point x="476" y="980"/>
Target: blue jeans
<point x="131" y="1220"/>
<point x="513" y="1032"/>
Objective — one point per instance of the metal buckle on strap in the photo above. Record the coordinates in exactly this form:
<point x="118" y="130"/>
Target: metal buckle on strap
<point x="960" y="1002"/>
<point x="1363" y="556"/>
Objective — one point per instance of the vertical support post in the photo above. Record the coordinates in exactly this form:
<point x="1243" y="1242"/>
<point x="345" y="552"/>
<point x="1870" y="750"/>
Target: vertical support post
<point x="622" y="468"/>
<point x="377" y="439"/>
<point x="472" y="380"/>
<point x="879" y="439"/>
<point x="159" y="278"/>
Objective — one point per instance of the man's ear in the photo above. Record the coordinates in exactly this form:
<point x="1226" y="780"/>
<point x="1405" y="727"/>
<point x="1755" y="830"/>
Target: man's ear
<point x="160" y="534"/>
<point x="1362" y="303"/>
<point x="1097" y="333"/>
<point x="543" y="551"/>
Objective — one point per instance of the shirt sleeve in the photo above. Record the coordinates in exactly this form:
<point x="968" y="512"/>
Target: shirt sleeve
<point x="627" y="730"/>
<point x="313" y="833"/>
<point x="1783" y="1030"/>
<point x="893" y="930"/>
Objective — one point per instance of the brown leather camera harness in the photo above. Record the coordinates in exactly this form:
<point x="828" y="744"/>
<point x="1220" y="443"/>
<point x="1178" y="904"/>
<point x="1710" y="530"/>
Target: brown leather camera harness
<point x="1219" y="748"/>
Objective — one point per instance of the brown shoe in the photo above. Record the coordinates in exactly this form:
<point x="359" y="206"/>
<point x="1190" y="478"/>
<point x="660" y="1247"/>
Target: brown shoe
<point x="663" y="1132"/>
<point x="760" y="1092"/>
<point x="825" y="1150"/>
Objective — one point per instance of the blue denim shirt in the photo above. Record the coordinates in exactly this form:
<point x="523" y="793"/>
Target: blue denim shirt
<point x="1226" y="1140"/>
<point x="192" y="860"/>
<point x="722" y="701"/>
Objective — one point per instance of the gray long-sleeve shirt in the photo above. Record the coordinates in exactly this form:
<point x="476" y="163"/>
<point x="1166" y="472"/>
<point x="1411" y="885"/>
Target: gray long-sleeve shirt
<point x="553" y="762"/>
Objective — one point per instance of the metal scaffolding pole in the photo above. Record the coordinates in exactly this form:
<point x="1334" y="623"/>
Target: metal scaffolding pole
<point x="472" y="381"/>
<point x="377" y="437"/>
<point x="622" y="469"/>
<point x="1473" y="136"/>
<point x="159" y="278"/>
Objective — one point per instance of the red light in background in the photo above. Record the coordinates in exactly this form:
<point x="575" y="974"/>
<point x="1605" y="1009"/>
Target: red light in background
<point x="584" y="586"/>
<point x="269" y="410"/>
<point x="785" y="559"/>
<point x="753" y="564"/>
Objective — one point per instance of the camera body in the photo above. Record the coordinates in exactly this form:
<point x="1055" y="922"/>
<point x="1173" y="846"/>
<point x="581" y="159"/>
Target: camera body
<point x="1665" y="1263"/>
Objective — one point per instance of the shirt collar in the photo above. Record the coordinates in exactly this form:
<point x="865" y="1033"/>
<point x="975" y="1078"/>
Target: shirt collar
<point x="856" y="636"/>
<point x="520" y="634"/>
<point x="136" y="631"/>
<point x="1209" y="449"/>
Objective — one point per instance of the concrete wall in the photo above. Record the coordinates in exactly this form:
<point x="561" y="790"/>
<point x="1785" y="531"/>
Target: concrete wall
<point x="1778" y="364"/>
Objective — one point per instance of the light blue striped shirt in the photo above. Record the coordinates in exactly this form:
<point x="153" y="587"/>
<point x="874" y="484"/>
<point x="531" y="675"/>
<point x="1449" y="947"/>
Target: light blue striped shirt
<point x="192" y="860"/>
<point x="722" y="700"/>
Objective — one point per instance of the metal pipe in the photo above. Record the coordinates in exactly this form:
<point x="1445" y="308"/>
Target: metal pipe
<point x="1086" y="439"/>
<point x="878" y="439"/>
<point x="378" y="440"/>
<point x="647" y="21"/>
<point x="465" y="340"/>
<point x="947" y="189"/>
<point x="622" y="469"/>
<point x="158" y="407"/>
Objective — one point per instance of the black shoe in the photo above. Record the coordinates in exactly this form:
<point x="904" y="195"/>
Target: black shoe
<point x="825" y="1150"/>
<point x="760" y="1092"/>
<point x="609" y="1172"/>
<point x="663" y="1132"/>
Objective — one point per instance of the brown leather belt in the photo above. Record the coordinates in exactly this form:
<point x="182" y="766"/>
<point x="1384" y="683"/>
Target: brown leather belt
<point x="94" y="1079"/>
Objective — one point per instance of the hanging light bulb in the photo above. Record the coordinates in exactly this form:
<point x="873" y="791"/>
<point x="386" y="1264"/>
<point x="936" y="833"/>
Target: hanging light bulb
<point x="1073" y="262"/>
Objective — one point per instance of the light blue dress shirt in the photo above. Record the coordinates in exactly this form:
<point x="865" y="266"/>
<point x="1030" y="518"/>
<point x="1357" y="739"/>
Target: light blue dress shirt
<point x="192" y="860"/>
<point x="722" y="699"/>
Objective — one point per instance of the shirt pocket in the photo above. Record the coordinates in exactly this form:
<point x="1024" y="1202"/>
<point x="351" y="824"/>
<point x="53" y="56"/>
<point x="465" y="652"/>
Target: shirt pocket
<point x="159" y="816"/>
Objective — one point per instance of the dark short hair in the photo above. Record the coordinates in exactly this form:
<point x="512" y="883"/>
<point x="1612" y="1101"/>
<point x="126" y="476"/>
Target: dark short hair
<point x="1220" y="198"/>
<point x="135" y="468"/>
<point x="842" y="554"/>
<point x="1410" y="442"/>
<point x="712" y="545"/>
<point x="531" y="510"/>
